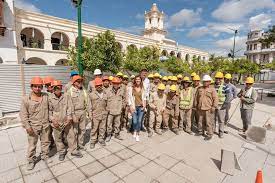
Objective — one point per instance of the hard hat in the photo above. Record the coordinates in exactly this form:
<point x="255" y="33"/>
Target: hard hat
<point x="165" y="78"/>
<point x="186" y="79"/>
<point x="156" y="75"/>
<point x="125" y="77"/>
<point x="98" y="82"/>
<point x="105" y="78"/>
<point x="249" y="80"/>
<point x="174" y="78"/>
<point x="179" y="76"/>
<point x="173" y="88"/>
<point x="228" y="76"/>
<point x="48" y="80"/>
<point x="170" y="77"/>
<point x="150" y="76"/>
<point x="196" y="78"/>
<point x="119" y="74"/>
<point x="161" y="87"/>
<point x="97" y="72"/>
<point x="206" y="78"/>
<point x="36" y="81"/>
<point x="56" y="83"/>
<point x="76" y="77"/>
<point x="73" y="73"/>
<point x="133" y="76"/>
<point x="193" y="74"/>
<point x="116" y="80"/>
<point x="111" y="78"/>
<point x="219" y="75"/>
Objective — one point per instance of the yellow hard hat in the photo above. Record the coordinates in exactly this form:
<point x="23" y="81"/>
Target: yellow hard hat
<point x="228" y="76"/>
<point x="170" y="77"/>
<point x="161" y="87"/>
<point x="119" y="74"/>
<point x="133" y="76"/>
<point x="249" y="80"/>
<point x="150" y="76"/>
<point x="179" y="76"/>
<point x="186" y="79"/>
<point x="219" y="75"/>
<point x="156" y="75"/>
<point x="196" y="78"/>
<point x="125" y="76"/>
<point x="174" y="78"/>
<point x="111" y="78"/>
<point x="193" y="74"/>
<point x="173" y="88"/>
<point x="165" y="78"/>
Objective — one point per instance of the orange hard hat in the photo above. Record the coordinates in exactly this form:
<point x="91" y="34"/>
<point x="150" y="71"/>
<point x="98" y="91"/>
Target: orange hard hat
<point x="116" y="80"/>
<point x="36" y="81"/>
<point x="105" y="78"/>
<point x="56" y="83"/>
<point x="48" y="80"/>
<point x="98" y="81"/>
<point x="76" y="77"/>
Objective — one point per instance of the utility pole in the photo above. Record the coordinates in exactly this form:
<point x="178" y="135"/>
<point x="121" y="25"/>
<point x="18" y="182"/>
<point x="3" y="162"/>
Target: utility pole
<point x="78" y="4"/>
<point x="233" y="54"/>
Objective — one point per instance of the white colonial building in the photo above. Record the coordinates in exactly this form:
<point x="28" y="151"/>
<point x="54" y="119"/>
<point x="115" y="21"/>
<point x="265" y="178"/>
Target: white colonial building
<point x="37" y="38"/>
<point x="258" y="52"/>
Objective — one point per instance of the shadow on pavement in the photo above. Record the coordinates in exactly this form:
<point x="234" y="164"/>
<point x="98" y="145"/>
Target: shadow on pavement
<point x="218" y="163"/>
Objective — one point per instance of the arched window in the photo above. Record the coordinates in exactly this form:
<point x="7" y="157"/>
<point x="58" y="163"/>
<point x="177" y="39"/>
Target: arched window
<point x="76" y="40"/>
<point x="62" y="62"/>
<point x="32" y="38"/>
<point x="187" y="57"/>
<point x="164" y="53"/>
<point x="179" y="55"/>
<point x="60" y="41"/>
<point x="172" y="53"/>
<point x="36" y="61"/>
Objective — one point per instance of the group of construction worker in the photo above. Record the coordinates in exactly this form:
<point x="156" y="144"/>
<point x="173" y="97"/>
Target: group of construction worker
<point x="58" y="116"/>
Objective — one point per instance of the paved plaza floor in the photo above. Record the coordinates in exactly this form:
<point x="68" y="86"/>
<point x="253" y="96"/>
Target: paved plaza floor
<point x="166" y="159"/>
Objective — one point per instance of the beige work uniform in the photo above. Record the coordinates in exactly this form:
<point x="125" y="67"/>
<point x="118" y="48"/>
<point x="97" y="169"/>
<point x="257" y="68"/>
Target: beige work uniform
<point x="171" y="111"/>
<point x="35" y="114"/>
<point x="157" y="106"/>
<point x="98" y="115"/>
<point x="195" y="115"/>
<point x="68" y="86"/>
<point x="206" y="101"/>
<point x="124" y="112"/>
<point x="186" y="104"/>
<point x="115" y="102"/>
<point x="61" y="112"/>
<point x="80" y="102"/>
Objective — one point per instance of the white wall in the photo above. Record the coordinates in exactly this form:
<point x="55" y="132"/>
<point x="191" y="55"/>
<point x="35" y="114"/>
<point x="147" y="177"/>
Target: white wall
<point x="8" y="50"/>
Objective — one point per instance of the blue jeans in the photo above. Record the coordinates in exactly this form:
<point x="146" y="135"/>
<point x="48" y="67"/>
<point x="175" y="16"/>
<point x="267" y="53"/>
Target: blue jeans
<point x="137" y="119"/>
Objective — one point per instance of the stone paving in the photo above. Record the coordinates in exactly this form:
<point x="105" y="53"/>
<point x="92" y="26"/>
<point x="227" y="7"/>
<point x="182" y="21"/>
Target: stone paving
<point x="166" y="159"/>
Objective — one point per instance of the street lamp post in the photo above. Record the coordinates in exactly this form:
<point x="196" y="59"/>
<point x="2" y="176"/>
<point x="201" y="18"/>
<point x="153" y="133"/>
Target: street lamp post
<point x="78" y="4"/>
<point x="232" y="54"/>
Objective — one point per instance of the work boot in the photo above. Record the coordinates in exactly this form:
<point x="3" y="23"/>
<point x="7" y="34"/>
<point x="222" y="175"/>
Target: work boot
<point x="190" y="132"/>
<point x="30" y="166"/>
<point x="108" y="138"/>
<point x="207" y="138"/>
<point x="225" y="131"/>
<point x="199" y="134"/>
<point x="102" y="143"/>
<point x="92" y="146"/>
<point x="150" y="134"/>
<point x="77" y="154"/>
<point x="158" y="132"/>
<point x="180" y="129"/>
<point x="117" y="136"/>
<point x="176" y="131"/>
<point x="164" y="130"/>
<point x="61" y="157"/>
<point x="81" y="147"/>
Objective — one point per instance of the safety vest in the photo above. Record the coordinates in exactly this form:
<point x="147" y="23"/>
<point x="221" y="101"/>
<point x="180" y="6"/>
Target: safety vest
<point x="221" y="94"/>
<point x="186" y="100"/>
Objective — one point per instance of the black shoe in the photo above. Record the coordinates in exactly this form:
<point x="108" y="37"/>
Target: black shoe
<point x="176" y="131"/>
<point x="77" y="154"/>
<point x="30" y="166"/>
<point x="198" y="134"/>
<point x="61" y="157"/>
<point x="92" y="146"/>
<point x="108" y="138"/>
<point x="208" y="138"/>
<point x="118" y="137"/>
<point x="102" y="143"/>
<point x="226" y="132"/>
<point x="150" y="134"/>
<point x="81" y="147"/>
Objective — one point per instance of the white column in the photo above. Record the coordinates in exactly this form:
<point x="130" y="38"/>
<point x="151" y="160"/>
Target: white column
<point x="47" y="44"/>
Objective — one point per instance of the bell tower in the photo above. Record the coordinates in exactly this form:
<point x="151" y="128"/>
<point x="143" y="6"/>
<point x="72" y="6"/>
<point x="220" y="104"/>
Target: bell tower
<point x="154" y="24"/>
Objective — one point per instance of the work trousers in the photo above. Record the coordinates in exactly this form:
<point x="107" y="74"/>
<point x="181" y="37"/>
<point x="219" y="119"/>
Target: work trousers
<point x="206" y="121"/>
<point x="80" y="126"/>
<point x="44" y="136"/>
<point x="155" y="120"/>
<point x="113" y="124"/>
<point x="220" y="118"/>
<point x="185" y="119"/>
<point x="174" y="119"/>
<point x="246" y="115"/>
<point x="98" y="130"/>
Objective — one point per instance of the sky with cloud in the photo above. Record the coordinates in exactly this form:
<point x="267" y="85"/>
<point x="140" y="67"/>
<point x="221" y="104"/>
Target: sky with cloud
<point x="204" y="24"/>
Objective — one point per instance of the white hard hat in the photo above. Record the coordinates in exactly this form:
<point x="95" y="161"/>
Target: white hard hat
<point x="206" y="78"/>
<point x="97" y="72"/>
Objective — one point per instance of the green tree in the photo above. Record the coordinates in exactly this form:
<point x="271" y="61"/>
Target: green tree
<point x="200" y="67"/>
<point x="176" y="66"/>
<point x="245" y="67"/>
<point x="270" y="65"/>
<point x="100" y="52"/>
<point x="270" y="38"/>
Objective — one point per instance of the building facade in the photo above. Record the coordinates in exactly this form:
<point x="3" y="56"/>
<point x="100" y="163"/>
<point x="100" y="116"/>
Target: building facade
<point x="36" y="38"/>
<point x="257" y="51"/>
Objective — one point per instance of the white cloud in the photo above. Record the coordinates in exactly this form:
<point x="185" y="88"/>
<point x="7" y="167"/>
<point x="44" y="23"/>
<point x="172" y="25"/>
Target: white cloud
<point x="185" y="18"/>
<point x="235" y="10"/>
<point x="139" y="16"/>
<point x="225" y="45"/>
<point x="132" y="29"/>
<point x="260" y="21"/>
<point x="22" y="4"/>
